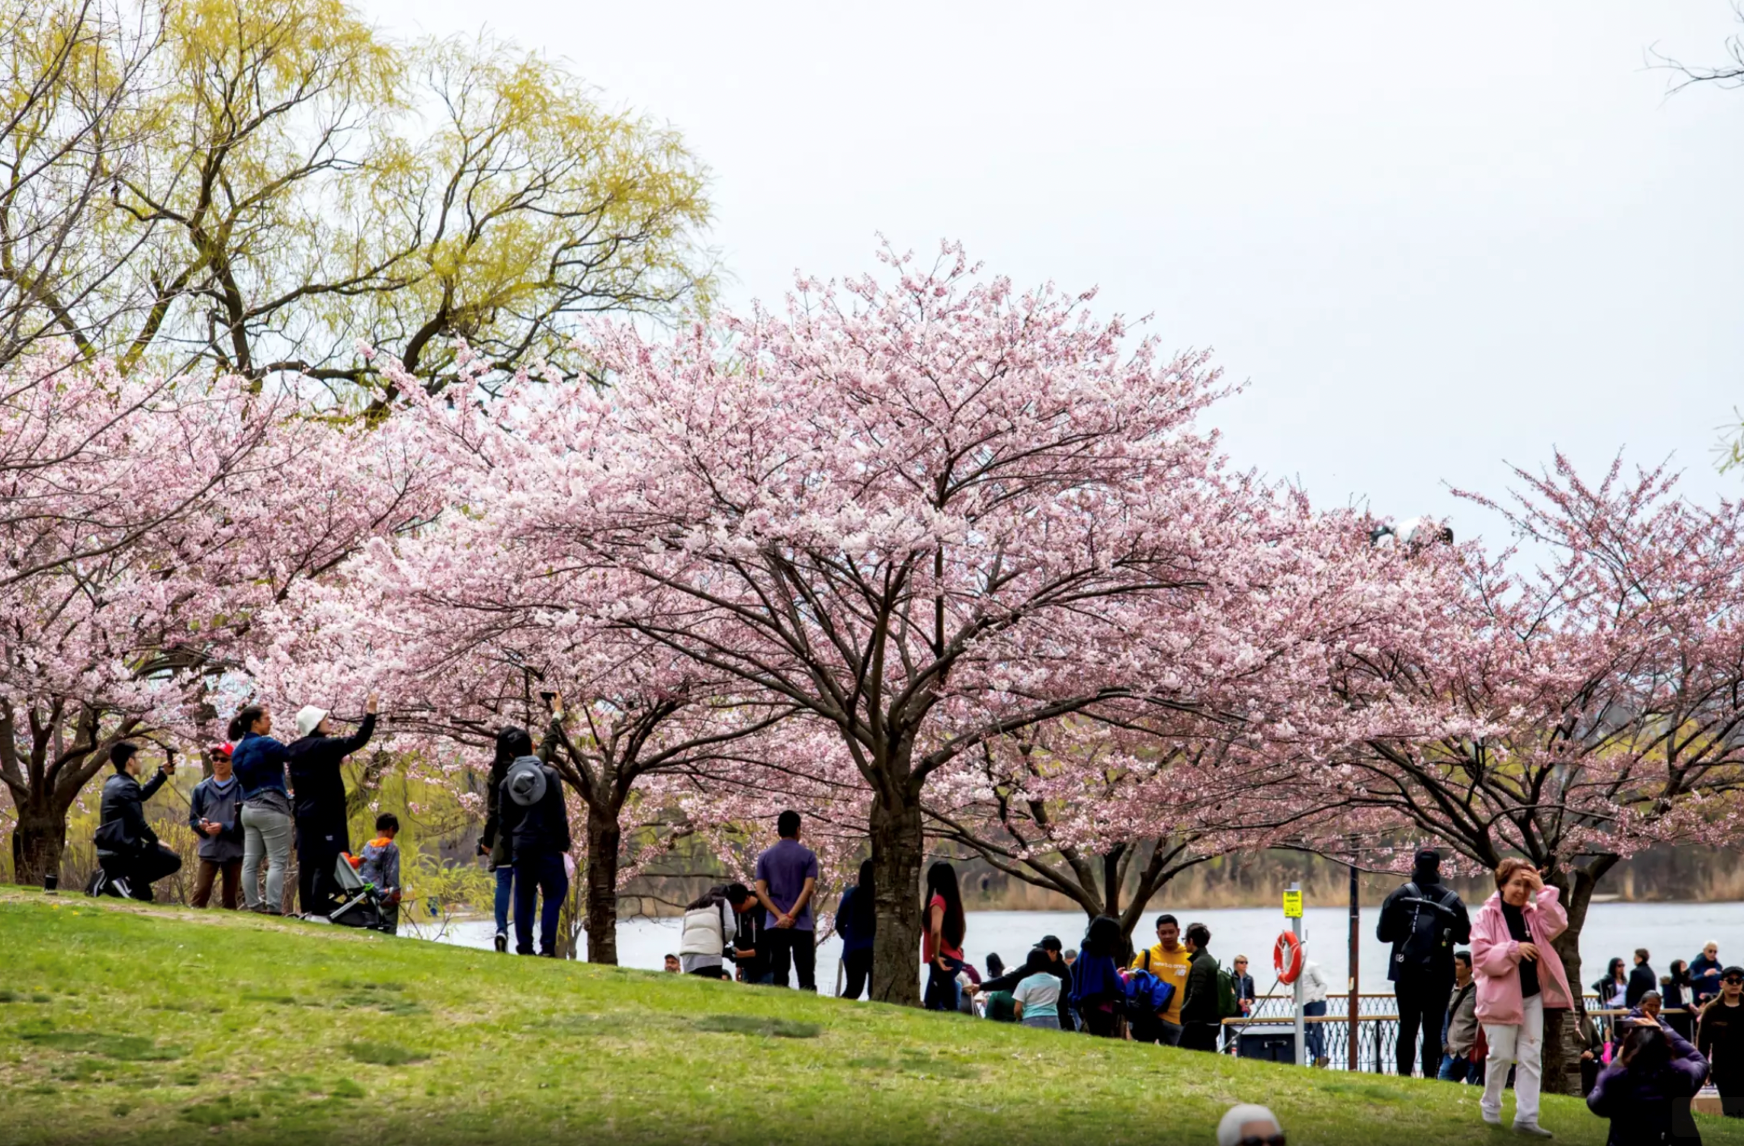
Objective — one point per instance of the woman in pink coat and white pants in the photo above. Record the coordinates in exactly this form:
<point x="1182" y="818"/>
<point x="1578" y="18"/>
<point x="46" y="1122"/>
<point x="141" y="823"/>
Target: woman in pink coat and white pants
<point x="1519" y="976"/>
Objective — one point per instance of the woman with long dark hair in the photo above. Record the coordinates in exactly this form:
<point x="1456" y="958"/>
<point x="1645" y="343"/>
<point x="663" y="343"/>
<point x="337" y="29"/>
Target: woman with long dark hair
<point x="259" y="763"/>
<point x="1646" y="1091"/>
<point x="1613" y="988"/>
<point x="513" y="742"/>
<point x="856" y="921"/>
<point x="944" y="937"/>
<point x="1675" y="991"/>
<point x="1096" y="986"/>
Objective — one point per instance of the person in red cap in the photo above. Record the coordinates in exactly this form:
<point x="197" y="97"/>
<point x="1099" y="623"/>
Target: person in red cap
<point x="215" y="814"/>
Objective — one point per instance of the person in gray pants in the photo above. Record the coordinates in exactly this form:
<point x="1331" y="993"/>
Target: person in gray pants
<point x="259" y="762"/>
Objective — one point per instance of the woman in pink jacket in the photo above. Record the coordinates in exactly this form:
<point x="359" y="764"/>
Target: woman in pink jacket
<point x="1519" y="977"/>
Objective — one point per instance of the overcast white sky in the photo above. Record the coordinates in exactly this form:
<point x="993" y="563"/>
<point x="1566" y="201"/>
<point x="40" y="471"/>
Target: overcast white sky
<point x="1433" y="239"/>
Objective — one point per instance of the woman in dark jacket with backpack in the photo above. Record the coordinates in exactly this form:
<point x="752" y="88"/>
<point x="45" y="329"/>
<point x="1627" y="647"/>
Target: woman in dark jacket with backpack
<point x="536" y="820"/>
<point x="1646" y="1092"/>
<point x="493" y="841"/>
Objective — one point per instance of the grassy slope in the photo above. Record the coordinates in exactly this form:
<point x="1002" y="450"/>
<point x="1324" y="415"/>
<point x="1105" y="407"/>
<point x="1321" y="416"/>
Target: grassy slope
<point x="130" y="1024"/>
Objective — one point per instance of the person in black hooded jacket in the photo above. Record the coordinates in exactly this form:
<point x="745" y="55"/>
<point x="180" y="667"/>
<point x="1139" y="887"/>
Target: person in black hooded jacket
<point x="129" y="856"/>
<point x="535" y="819"/>
<point x="493" y="841"/>
<point x="318" y="791"/>
<point x="1423" y="920"/>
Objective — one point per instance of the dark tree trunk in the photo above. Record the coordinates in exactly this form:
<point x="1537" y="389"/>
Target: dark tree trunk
<point x="38" y="840"/>
<point x="1562" y="1041"/>
<point x="603" y="839"/>
<point x="898" y="846"/>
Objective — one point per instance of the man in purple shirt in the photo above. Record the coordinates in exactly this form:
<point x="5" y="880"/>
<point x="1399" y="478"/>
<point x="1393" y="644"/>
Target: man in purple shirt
<point x="786" y="877"/>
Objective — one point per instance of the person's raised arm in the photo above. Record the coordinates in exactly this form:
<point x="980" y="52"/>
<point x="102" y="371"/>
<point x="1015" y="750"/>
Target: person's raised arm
<point x="556" y="785"/>
<point x="364" y="731"/>
<point x="554" y="734"/>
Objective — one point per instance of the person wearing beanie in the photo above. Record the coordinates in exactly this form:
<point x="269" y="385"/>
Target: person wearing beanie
<point x="535" y="819"/>
<point x="215" y="814"/>
<point x="1250" y="1125"/>
<point x="1423" y="920"/>
<point x="318" y="789"/>
<point x="130" y="858"/>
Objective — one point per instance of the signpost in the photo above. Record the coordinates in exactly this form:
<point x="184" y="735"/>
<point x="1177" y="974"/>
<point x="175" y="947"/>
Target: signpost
<point x="1293" y="912"/>
<point x="1355" y="929"/>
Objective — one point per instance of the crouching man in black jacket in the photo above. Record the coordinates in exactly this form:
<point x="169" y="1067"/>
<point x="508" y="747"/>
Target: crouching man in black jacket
<point x="128" y="851"/>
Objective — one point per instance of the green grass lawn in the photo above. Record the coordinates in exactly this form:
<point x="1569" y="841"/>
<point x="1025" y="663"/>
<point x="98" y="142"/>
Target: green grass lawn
<point x="124" y="1023"/>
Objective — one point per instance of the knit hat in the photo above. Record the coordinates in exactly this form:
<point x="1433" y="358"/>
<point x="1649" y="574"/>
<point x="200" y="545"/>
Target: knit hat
<point x="1229" y="1130"/>
<point x="308" y="717"/>
<point x="526" y="782"/>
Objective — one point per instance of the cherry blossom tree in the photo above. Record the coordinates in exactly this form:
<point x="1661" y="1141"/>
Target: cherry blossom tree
<point x="461" y="626"/>
<point x="928" y="515"/>
<point x="146" y="522"/>
<point x="1571" y="713"/>
<point x="1131" y="796"/>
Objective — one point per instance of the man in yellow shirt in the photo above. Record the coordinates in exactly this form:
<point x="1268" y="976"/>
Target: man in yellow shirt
<point x="1168" y="962"/>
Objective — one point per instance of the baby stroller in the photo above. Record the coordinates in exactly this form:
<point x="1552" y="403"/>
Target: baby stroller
<point x="361" y="903"/>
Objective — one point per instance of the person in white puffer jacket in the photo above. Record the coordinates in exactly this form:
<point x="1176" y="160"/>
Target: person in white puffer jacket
<point x="709" y="929"/>
<point x="1314" y="992"/>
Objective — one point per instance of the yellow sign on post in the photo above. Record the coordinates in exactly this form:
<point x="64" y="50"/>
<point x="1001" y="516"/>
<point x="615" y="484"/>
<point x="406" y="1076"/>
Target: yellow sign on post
<point x="1292" y="905"/>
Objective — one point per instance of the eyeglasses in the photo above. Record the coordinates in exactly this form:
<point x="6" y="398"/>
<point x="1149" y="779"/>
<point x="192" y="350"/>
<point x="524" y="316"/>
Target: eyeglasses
<point x="1256" y="1140"/>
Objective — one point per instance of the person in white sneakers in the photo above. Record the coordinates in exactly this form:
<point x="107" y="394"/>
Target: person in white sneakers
<point x="1519" y="977"/>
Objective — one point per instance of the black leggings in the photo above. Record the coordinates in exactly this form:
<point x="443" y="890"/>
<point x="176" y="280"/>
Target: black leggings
<point x="858" y="965"/>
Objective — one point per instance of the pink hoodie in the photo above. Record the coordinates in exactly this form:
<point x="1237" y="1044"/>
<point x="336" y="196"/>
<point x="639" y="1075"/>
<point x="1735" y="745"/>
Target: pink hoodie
<point x="1496" y="958"/>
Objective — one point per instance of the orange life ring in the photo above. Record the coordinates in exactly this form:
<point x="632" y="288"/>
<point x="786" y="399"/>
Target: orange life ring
<point x="1287" y="957"/>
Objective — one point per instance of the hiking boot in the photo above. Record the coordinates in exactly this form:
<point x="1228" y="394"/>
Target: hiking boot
<point x="502" y="942"/>
<point x="1532" y="1130"/>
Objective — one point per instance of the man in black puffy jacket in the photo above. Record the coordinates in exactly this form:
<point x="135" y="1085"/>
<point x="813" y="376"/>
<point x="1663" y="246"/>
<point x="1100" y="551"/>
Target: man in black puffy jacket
<point x="1423" y="920"/>
<point x="130" y="857"/>
<point x="318" y="790"/>
<point x="536" y="821"/>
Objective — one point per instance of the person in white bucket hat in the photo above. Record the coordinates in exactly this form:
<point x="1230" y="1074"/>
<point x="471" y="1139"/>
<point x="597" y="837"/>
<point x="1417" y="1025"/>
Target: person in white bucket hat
<point x="318" y="801"/>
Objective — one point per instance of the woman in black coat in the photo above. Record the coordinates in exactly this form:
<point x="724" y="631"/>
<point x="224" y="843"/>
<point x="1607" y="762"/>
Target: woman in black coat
<point x="318" y="788"/>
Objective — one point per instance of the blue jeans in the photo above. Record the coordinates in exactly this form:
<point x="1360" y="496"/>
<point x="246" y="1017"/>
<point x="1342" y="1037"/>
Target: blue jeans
<point x="535" y="875"/>
<point x="1314" y="1034"/>
<point x="1455" y="1069"/>
<point x="505" y="896"/>
<point x="941" y="990"/>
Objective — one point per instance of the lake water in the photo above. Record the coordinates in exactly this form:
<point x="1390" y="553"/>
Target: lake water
<point x="1669" y="930"/>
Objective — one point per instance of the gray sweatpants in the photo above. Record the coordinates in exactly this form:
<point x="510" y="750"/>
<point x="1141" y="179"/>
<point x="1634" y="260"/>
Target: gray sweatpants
<point x="266" y="834"/>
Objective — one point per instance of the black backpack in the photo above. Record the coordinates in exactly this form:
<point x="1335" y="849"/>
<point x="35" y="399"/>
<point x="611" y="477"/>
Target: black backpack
<point x="1431" y="933"/>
